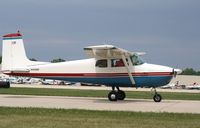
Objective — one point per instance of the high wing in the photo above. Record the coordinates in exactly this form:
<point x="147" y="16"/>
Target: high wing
<point x="108" y="51"/>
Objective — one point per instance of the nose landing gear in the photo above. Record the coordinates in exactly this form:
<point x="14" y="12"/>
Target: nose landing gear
<point x="157" y="97"/>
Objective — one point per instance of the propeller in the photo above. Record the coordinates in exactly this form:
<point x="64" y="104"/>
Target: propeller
<point x="176" y="72"/>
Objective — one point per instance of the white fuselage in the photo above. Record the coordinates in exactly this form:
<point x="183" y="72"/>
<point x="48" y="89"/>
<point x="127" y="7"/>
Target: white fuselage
<point x="86" y="71"/>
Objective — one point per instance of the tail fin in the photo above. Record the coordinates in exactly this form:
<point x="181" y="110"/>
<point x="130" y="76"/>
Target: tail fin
<point x="13" y="53"/>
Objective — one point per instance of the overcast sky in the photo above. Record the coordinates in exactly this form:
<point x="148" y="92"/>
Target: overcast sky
<point x="168" y="31"/>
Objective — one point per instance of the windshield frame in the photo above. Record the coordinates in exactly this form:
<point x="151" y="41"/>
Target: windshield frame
<point x="136" y="60"/>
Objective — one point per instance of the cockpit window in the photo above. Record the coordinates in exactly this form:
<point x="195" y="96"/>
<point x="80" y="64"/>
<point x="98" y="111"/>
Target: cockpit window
<point x="101" y="63"/>
<point x="136" y="60"/>
<point x="117" y="63"/>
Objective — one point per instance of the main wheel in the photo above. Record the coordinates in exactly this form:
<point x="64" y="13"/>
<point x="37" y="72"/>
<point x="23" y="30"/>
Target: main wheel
<point x="121" y="95"/>
<point x="112" y="96"/>
<point x="7" y="85"/>
<point x="157" y="97"/>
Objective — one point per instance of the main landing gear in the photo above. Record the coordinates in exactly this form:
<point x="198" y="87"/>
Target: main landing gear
<point x="118" y="94"/>
<point x="157" y="97"/>
<point x="115" y="95"/>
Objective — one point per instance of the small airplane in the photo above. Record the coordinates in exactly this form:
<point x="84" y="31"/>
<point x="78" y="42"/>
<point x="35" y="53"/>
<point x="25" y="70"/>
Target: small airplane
<point x="108" y="65"/>
<point x="193" y="86"/>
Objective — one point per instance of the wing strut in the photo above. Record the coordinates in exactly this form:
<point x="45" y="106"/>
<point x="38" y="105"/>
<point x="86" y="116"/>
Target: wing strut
<point x="128" y="70"/>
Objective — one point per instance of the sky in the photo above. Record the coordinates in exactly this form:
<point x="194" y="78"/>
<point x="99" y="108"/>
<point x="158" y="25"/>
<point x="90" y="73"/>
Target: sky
<point x="168" y="31"/>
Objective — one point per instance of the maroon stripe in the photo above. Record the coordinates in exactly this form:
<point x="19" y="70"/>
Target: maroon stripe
<point x="13" y="35"/>
<point x="92" y="74"/>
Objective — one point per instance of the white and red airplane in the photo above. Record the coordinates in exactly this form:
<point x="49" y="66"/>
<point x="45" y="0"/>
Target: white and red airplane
<point x="108" y="65"/>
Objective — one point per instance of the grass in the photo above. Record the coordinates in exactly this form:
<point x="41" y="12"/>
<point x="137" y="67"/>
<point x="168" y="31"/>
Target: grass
<point x="96" y="93"/>
<point x="72" y="118"/>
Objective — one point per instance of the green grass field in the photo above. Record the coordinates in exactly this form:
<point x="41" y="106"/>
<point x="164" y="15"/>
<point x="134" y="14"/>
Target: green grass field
<point x="97" y="93"/>
<point x="61" y="118"/>
<point x="72" y="118"/>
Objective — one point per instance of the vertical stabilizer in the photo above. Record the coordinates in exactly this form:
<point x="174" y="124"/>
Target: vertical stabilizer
<point x="13" y="53"/>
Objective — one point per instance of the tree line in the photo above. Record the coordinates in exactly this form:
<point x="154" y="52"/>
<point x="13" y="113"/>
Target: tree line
<point x="190" y="71"/>
<point x="33" y="59"/>
<point x="52" y="61"/>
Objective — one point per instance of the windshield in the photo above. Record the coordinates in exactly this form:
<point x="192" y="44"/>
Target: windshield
<point x="136" y="60"/>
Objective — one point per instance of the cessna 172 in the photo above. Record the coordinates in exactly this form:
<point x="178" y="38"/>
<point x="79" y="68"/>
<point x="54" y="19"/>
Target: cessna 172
<point x="108" y="65"/>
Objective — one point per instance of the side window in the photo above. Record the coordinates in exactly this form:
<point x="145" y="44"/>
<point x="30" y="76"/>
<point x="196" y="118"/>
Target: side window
<point x="101" y="63"/>
<point x="117" y="63"/>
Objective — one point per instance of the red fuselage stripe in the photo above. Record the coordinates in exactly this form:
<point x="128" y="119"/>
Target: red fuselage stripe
<point x="91" y="74"/>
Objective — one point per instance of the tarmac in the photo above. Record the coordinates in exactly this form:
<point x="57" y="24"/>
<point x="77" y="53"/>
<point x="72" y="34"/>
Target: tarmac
<point x="91" y="103"/>
<point x="99" y="88"/>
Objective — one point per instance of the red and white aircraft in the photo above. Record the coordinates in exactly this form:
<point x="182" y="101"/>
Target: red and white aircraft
<point x="108" y="65"/>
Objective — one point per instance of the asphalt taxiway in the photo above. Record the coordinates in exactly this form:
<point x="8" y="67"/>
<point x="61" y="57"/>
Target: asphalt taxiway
<point x="99" y="88"/>
<point x="90" y="103"/>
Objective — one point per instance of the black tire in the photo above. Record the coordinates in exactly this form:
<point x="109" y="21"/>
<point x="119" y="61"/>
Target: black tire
<point x="121" y="95"/>
<point x="7" y="85"/>
<point x="157" y="97"/>
<point x="4" y="84"/>
<point x="112" y="96"/>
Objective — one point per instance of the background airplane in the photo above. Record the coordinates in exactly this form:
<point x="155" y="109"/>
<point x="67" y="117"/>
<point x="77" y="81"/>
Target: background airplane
<point x="108" y="65"/>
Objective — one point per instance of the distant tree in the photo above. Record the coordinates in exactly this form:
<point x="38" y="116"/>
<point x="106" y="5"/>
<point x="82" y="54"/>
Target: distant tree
<point x="190" y="71"/>
<point x="32" y="59"/>
<point x="0" y="59"/>
<point x="57" y="60"/>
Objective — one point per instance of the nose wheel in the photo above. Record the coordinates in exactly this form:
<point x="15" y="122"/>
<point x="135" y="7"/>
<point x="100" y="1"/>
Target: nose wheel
<point x="157" y="97"/>
<point x="115" y="95"/>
